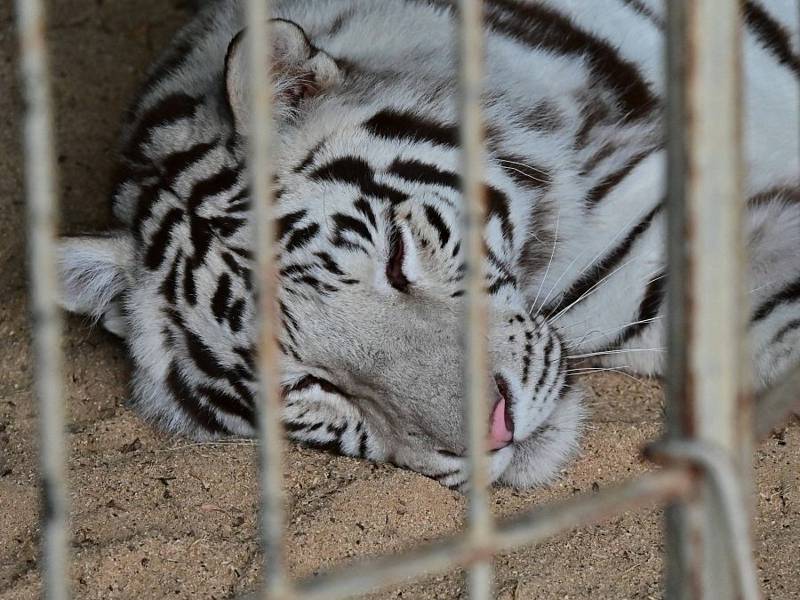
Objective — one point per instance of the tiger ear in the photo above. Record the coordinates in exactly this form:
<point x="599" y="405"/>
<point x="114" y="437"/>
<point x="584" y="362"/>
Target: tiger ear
<point x="299" y="71"/>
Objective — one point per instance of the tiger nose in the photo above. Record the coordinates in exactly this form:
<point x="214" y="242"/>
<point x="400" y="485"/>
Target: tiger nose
<point x="501" y="422"/>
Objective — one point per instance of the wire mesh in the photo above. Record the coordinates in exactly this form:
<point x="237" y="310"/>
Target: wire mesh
<point x="706" y="314"/>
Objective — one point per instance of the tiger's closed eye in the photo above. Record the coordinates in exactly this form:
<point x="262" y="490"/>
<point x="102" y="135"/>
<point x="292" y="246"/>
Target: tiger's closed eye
<point x="394" y="266"/>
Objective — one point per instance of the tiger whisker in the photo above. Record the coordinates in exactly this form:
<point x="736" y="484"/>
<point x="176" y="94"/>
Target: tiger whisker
<point x="527" y="175"/>
<point x="607" y="369"/>
<point x="521" y="164"/>
<point x="551" y="317"/>
<point x="599" y="333"/>
<point x="550" y="262"/>
<point x="594" y="369"/>
<point x="553" y="287"/>
<point x="597" y="285"/>
<point x="612" y="352"/>
<point x="603" y="250"/>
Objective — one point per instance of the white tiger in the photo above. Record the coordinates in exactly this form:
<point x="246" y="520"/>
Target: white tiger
<point x="368" y="232"/>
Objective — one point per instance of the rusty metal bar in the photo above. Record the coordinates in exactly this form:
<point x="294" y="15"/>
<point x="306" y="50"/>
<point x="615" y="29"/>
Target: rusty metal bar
<point x="722" y="474"/>
<point x="529" y="528"/>
<point x="276" y="585"/>
<point x="480" y="524"/>
<point x="774" y="406"/>
<point x="41" y="186"/>
<point x="706" y="381"/>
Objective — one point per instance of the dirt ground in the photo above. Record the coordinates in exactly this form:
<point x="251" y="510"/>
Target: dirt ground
<point x="154" y="517"/>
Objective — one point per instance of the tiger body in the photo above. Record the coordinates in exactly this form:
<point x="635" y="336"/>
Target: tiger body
<point x="368" y="212"/>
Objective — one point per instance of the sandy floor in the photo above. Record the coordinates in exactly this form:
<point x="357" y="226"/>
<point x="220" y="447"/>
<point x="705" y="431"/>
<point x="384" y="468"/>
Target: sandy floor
<point x="155" y="517"/>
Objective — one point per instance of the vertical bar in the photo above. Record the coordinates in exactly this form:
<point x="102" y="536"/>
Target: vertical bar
<point x="40" y="180"/>
<point x="707" y="397"/>
<point x="275" y="583"/>
<point x="476" y="326"/>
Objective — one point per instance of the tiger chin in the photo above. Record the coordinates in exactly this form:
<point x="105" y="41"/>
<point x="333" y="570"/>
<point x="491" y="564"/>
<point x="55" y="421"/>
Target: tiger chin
<point x="368" y="239"/>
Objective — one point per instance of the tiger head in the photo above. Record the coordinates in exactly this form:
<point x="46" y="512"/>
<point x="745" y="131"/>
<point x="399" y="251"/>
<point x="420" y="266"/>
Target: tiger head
<point x="371" y="267"/>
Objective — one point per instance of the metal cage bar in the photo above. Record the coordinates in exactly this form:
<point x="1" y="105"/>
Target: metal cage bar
<point x="42" y="200"/>
<point x="703" y="453"/>
<point x="707" y="399"/>
<point x="479" y="522"/>
<point x="276" y="584"/>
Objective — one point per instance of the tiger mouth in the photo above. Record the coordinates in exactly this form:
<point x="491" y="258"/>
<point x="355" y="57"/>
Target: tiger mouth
<point x="501" y="420"/>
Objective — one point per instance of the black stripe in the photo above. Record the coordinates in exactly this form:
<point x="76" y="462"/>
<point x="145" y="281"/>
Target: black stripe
<point x="783" y="331"/>
<point x="499" y="283"/>
<point x="227" y="403"/>
<point x="329" y="264"/>
<point x="345" y="223"/>
<point x="309" y="159"/>
<point x="437" y="222"/>
<point x="221" y="181"/>
<point x="184" y="396"/>
<point x="355" y="171"/>
<point x="287" y="222"/>
<point x="168" y="65"/>
<point x="397" y="125"/>
<point x="642" y="9"/>
<point x="201" y="234"/>
<point x="771" y="34"/>
<point x="497" y="206"/>
<point x="146" y="200"/>
<point x="420" y="172"/>
<point x="240" y="202"/>
<point x="545" y="29"/>
<point x="227" y="226"/>
<point x="247" y="354"/>
<point x="169" y="284"/>
<point x="362" y="205"/>
<point x="648" y="309"/>
<point x="156" y="251"/>
<point x="294" y="426"/>
<point x="789" y="293"/>
<point x="604" y="152"/>
<point x="300" y="268"/>
<point x="362" y="443"/>
<point x="189" y="288"/>
<point x="243" y="252"/>
<point x="523" y="174"/>
<point x="301" y="237"/>
<point x="234" y="266"/>
<point x="608" y="183"/>
<point x="203" y="357"/>
<point x="605" y="266"/>
<point x="177" y="163"/>
<point x="287" y="313"/>
<point x="235" y="315"/>
<point x="222" y="297"/>
<point x="546" y="363"/>
<point x="168" y="110"/>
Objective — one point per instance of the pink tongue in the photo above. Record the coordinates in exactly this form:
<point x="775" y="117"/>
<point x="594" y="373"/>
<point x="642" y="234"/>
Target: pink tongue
<point x="499" y="435"/>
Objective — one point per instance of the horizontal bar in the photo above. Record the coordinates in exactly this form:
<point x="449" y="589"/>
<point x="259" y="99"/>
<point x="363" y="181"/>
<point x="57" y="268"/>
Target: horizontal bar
<point x="777" y="403"/>
<point x="530" y="528"/>
<point x="42" y="199"/>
